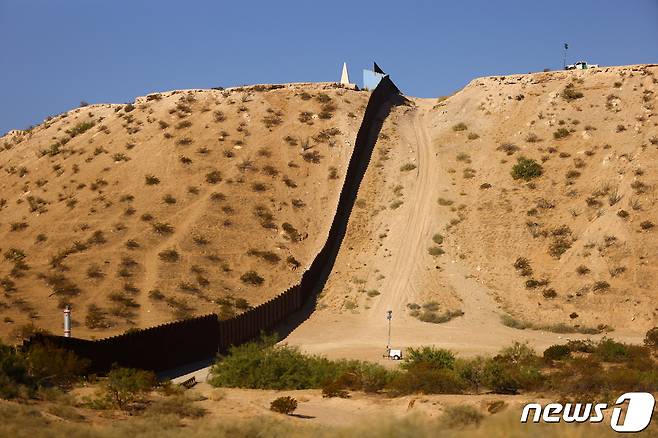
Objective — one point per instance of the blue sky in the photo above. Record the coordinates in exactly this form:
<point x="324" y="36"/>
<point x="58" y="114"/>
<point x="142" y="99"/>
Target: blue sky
<point x="56" y="53"/>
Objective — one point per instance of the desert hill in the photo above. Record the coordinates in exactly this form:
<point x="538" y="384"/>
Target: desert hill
<point x="181" y="203"/>
<point x="466" y="250"/>
<point x="520" y="202"/>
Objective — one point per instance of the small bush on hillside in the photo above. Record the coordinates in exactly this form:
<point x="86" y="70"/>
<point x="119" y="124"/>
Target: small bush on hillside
<point x="252" y="278"/>
<point x="169" y="255"/>
<point x="163" y="228"/>
<point x="570" y="93"/>
<point x="526" y="169"/>
<point x="459" y="127"/>
<point x="152" y="180"/>
<point x="214" y="177"/>
<point x="284" y="405"/>
<point x="508" y="148"/>
<point x="407" y="167"/>
<point x="435" y="251"/>
<point x="561" y="133"/>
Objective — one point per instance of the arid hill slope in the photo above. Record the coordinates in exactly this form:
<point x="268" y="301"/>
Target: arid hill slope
<point x="442" y="226"/>
<point x="186" y="202"/>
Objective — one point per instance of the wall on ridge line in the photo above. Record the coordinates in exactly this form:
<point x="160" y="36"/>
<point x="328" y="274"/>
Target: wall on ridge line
<point x="190" y="340"/>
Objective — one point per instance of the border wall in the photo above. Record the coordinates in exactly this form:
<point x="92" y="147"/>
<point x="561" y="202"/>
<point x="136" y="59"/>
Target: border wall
<point x="190" y="340"/>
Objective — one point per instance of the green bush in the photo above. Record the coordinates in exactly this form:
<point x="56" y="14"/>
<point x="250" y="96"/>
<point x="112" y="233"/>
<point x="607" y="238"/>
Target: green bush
<point x="526" y="169"/>
<point x="611" y="351"/>
<point x="433" y="357"/>
<point x="125" y="386"/>
<point x="265" y="365"/>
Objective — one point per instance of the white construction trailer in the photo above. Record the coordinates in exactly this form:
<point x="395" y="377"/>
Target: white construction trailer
<point x="581" y="65"/>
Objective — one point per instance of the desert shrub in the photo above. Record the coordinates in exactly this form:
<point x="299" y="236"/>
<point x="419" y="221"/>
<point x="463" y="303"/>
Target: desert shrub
<point x="522" y="265"/>
<point x="561" y="133"/>
<point x="291" y="232"/>
<point x="169" y="255"/>
<point x="459" y="416"/>
<point x="311" y="156"/>
<point x="646" y="225"/>
<point x="439" y="318"/>
<point x="151" y="180"/>
<point x="125" y="386"/>
<point x="461" y="126"/>
<point x="180" y="406"/>
<point x="163" y="228"/>
<point x="284" y="405"/>
<point x="515" y="367"/>
<point x="407" y="167"/>
<point x="570" y="93"/>
<point x="532" y="138"/>
<point x="471" y="371"/>
<point x="425" y="378"/>
<point x="435" y="251"/>
<point x="559" y="246"/>
<point x="508" y="148"/>
<point x="80" y="128"/>
<point x="214" y="177"/>
<point x="252" y="278"/>
<point x="651" y="338"/>
<point x="96" y="317"/>
<point x="168" y="199"/>
<point x="265" y="365"/>
<point x="331" y="389"/>
<point x="50" y="365"/>
<point x="526" y="169"/>
<point x="431" y="356"/>
<point x="609" y="350"/>
<point x="600" y="285"/>
<point x="557" y="352"/>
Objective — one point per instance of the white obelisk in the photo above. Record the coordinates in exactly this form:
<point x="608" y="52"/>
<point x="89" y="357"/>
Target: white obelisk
<point x="344" y="77"/>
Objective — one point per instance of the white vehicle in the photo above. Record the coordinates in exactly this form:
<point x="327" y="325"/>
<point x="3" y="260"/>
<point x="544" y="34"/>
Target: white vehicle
<point x="394" y="354"/>
<point x="581" y="65"/>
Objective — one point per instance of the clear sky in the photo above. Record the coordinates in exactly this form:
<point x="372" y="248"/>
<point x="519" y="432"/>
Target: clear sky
<point x="56" y="53"/>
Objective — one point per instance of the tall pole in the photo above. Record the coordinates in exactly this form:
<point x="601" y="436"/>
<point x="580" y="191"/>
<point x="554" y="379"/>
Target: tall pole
<point x="389" y="316"/>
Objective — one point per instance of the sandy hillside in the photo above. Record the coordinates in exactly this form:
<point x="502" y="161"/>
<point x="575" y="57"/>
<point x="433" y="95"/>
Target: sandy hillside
<point x="183" y="203"/>
<point x="442" y="227"/>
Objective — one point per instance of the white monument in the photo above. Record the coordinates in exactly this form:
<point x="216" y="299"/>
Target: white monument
<point x="344" y="77"/>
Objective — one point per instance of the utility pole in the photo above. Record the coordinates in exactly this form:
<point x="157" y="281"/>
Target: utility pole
<point x="564" y="61"/>
<point x="389" y="316"/>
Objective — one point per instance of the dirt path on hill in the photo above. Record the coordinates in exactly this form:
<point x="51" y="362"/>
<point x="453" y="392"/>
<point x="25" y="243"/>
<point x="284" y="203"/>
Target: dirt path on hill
<point x="152" y="262"/>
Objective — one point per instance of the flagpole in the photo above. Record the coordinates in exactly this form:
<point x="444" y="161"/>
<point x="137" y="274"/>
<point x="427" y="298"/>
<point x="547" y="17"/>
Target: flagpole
<point x="564" y="61"/>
